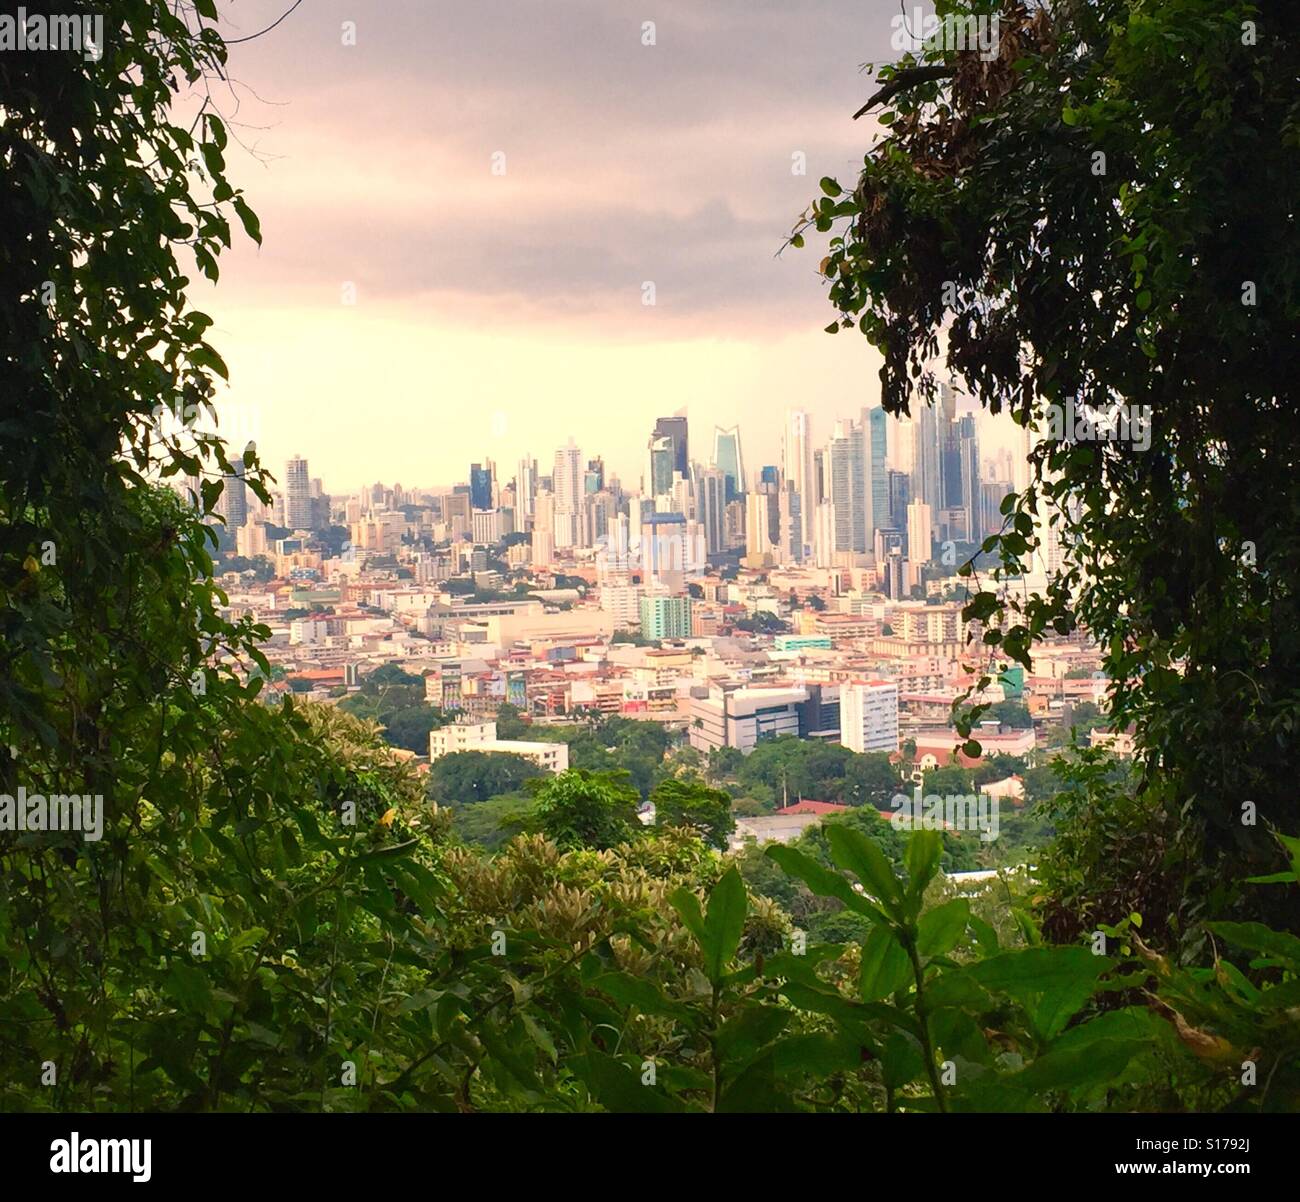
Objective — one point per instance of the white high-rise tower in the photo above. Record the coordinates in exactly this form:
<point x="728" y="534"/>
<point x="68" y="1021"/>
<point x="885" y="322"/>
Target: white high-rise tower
<point x="798" y="468"/>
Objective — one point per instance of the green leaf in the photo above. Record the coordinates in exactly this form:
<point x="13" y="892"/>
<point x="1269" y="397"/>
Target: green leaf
<point x="885" y="965"/>
<point x="822" y="881"/>
<point x="1051" y="982"/>
<point x="1099" y="1063"/>
<point x="901" y="1060"/>
<point x="212" y="158"/>
<point x="637" y="992"/>
<point x="921" y="859"/>
<point x="749" y="1031"/>
<point x="816" y="1056"/>
<point x="942" y="929"/>
<point x="188" y="987"/>
<point x="687" y="906"/>
<point x="1256" y="937"/>
<point x="724" y="923"/>
<point x="384" y="853"/>
<point x="985" y="935"/>
<point x="619" y="1089"/>
<point x="854" y="851"/>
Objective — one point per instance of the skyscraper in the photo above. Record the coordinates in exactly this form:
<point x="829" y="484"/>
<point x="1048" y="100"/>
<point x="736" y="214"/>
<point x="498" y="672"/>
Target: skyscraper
<point x="526" y="488"/>
<point x="968" y="471"/>
<point x="711" y="504"/>
<point x="674" y="429"/>
<point x="660" y="466"/>
<point x="480" y="486"/>
<point x="919" y="545"/>
<point x="926" y="486"/>
<point x="849" y="487"/>
<point x="297" y="494"/>
<point x="567" y="483"/>
<point x="758" y="527"/>
<point x="233" y="505"/>
<point x="728" y="459"/>
<point x="797" y="457"/>
<point x="900" y="494"/>
<point x="875" y="428"/>
<point x="789" y="544"/>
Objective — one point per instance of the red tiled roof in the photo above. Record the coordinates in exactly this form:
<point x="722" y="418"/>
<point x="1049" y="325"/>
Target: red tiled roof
<point x="815" y="807"/>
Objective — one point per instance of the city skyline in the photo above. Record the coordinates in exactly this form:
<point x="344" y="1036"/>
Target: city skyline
<point x="418" y="301"/>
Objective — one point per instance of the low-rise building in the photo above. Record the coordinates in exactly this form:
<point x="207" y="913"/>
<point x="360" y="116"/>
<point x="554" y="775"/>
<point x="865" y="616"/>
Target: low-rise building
<point x="482" y="736"/>
<point x="743" y="717"/>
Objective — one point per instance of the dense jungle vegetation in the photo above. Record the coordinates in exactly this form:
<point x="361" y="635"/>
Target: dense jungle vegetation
<point x="279" y="917"/>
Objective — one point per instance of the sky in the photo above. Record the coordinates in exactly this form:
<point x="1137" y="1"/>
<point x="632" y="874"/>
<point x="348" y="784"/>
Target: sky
<point x="462" y="210"/>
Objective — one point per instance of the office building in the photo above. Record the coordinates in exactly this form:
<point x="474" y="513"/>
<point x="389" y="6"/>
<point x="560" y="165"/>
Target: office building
<point x="728" y="459"/>
<point x="869" y="716"/>
<point x="297" y="494"/>
<point x="665" y="617"/>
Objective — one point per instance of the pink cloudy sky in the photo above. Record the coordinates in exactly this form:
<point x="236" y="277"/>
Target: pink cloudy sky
<point x="500" y="314"/>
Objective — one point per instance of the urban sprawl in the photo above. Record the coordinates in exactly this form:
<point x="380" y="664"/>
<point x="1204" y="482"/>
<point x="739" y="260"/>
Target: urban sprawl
<point x="818" y="597"/>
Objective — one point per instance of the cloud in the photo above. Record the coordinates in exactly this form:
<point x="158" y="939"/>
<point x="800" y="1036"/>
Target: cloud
<point x="623" y="163"/>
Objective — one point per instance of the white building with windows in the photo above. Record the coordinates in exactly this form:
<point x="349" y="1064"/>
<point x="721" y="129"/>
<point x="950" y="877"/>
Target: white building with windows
<point x="744" y="717"/>
<point x="869" y="716"/>
<point x="482" y="736"/>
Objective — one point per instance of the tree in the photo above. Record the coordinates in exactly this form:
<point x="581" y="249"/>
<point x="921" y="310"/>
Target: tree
<point x="464" y="777"/>
<point x="689" y="802"/>
<point x="510" y="722"/>
<point x="762" y="622"/>
<point x="272" y="890"/>
<point x="1102" y="216"/>
<point x="492" y="823"/>
<point x="870" y="779"/>
<point x="724" y="763"/>
<point x="578" y="808"/>
<point x="408" y="727"/>
<point x="1011" y="713"/>
<point x="394" y="699"/>
<point x="948" y="781"/>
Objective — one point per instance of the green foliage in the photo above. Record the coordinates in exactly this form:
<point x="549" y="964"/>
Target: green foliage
<point x="578" y="808"/>
<point x="690" y="803"/>
<point x="1102" y="215"/>
<point x="762" y="622"/>
<point x="394" y="700"/>
<point x="613" y="744"/>
<point x="491" y="824"/>
<point x="261" y="567"/>
<point x="1010" y="713"/>
<point x="1116" y="851"/>
<point x="276" y="919"/>
<point x="792" y="767"/>
<point x="510" y="723"/>
<point x="464" y="777"/>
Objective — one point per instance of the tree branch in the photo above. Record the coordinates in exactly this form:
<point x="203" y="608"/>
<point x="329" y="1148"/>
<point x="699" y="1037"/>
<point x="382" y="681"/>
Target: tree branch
<point x="908" y="77"/>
